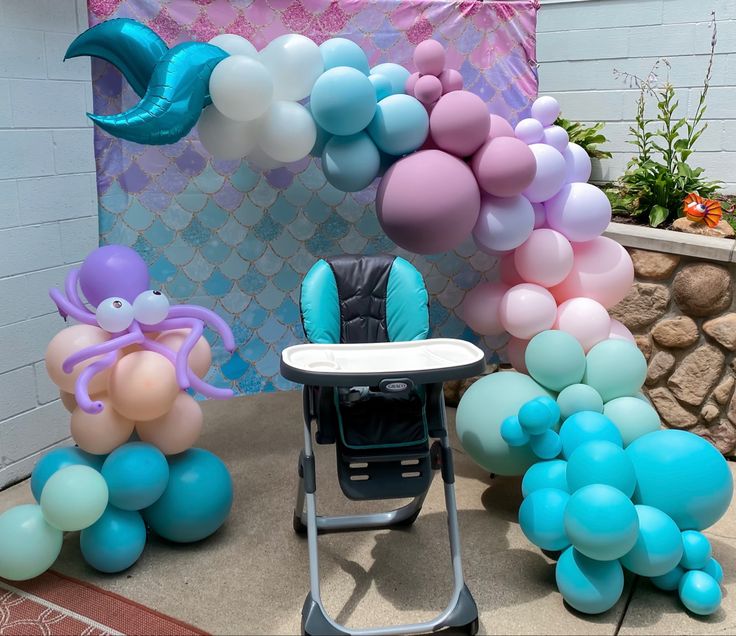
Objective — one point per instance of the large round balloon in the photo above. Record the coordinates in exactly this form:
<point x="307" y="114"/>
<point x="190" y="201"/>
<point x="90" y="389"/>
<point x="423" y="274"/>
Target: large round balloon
<point x="295" y="63"/>
<point x="28" y="544"/>
<point x="115" y="541"/>
<point x="633" y="417"/>
<point x="395" y="73"/>
<point x="615" y="368"/>
<point x="555" y="359"/>
<point x="286" y="132"/>
<point x="224" y="138"/>
<point x="136" y="474"/>
<point x="579" y="397"/>
<point x="459" y="123"/>
<point x="428" y="202"/>
<point x="351" y="163"/>
<point x="588" y="585"/>
<point x="504" y="223"/>
<point x="504" y="166"/>
<point x="480" y="308"/>
<point x="580" y="211"/>
<point x="541" y="518"/>
<point x="585" y="319"/>
<point x="549" y="474"/>
<point x="549" y="176"/>
<point x="74" y="498"/>
<point x="344" y="52"/>
<point x="600" y="462"/>
<point x="343" y="101"/>
<point x="177" y="430"/>
<point x="241" y="88"/>
<point x="527" y="310"/>
<point x="658" y="548"/>
<point x="704" y="485"/>
<point x="586" y="426"/>
<point x="400" y="125"/>
<point x="545" y="258"/>
<point x="100" y="433"/>
<point x="479" y="427"/>
<point x="67" y="342"/>
<point x="57" y="459"/>
<point x="112" y="270"/>
<point x="546" y="110"/>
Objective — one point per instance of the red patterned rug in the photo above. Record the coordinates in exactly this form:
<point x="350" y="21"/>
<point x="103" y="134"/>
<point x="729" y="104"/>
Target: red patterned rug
<point x="55" y="605"/>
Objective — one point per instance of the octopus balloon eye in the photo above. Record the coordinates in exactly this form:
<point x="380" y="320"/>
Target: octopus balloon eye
<point x="114" y="314"/>
<point x="151" y="307"/>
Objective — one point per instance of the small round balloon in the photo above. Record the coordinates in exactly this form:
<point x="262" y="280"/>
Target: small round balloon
<point x="28" y="544"/>
<point x="67" y="342"/>
<point x="429" y="57"/>
<point x="658" y="548"/>
<point x="545" y="258"/>
<point x="584" y="319"/>
<point x="295" y="63"/>
<point x="633" y="417"/>
<point x="600" y="462"/>
<point x="541" y="518"/>
<point x="549" y="474"/>
<point x="343" y="52"/>
<point x="670" y="580"/>
<point x="546" y="445"/>
<point x="428" y="89"/>
<point x="545" y="110"/>
<point x="480" y="308"/>
<point x="586" y="426"/>
<point x="579" y="397"/>
<point x="396" y="74"/>
<point x="529" y="131"/>
<point x="549" y="177"/>
<point x="136" y="474"/>
<point x="287" y="131"/>
<point x="539" y="415"/>
<point x="223" y="138"/>
<point x="177" y="430"/>
<point x="459" y="123"/>
<point x="351" y="163"/>
<point x="696" y="551"/>
<point x="620" y="331"/>
<point x="557" y="137"/>
<point x="452" y="80"/>
<point x="101" y="433"/>
<point x="234" y="45"/>
<point x="588" y="585"/>
<point x="343" y="101"/>
<point x="74" y="498"/>
<point x="700" y="593"/>
<point x="241" y="88"/>
<point x="527" y="310"/>
<point x="512" y="432"/>
<point x="504" y="166"/>
<point x="580" y="211"/>
<point x="115" y="541"/>
<point x="578" y="164"/>
<point x="503" y="223"/>
<point x="714" y="568"/>
<point x="400" y="125"/>
<point x="57" y="459"/>
<point x="615" y="368"/>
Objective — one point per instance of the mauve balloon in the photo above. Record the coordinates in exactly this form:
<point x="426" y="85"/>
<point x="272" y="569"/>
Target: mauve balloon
<point x="504" y="166"/>
<point x="459" y="123"/>
<point x="429" y="57"/>
<point x="500" y="127"/>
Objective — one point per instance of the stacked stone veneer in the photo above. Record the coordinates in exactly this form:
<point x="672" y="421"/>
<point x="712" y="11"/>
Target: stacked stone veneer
<point x="683" y="315"/>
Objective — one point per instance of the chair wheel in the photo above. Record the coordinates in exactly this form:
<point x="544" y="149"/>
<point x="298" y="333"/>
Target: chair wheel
<point x="408" y="521"/>
<point x="298" y="526"/>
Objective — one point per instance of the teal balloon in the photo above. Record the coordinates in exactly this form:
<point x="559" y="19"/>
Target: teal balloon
<point x="400" y="125"/>
<point x="480" y="413"/>
<point x="382" y="86"/>
<point x="600" y="462"/>
<point x="615" y="368"/>
<point x="700" y="592"/>
<point x="550" y="474"/>
<point x="57" y="459"/>
<point x="658" y="548"/>
<point x="539" y="415"/>
<point x="351" y="163"/>
<point x="714" y="568"/>
<point x="541" y="518"/>
<point x="587" y="426"/>
<point x="547" y="445"/>
<point x="633" y="417"/>
<point x="74" y="498"/>
<point x="697" y="550"/>
<point x="669" y="581"/>
<point x="115" y="541"/>
<point x="343" y="101"/>
<point x="28" y="544"/>
<point x="343" y="52"/>
<point x="136" y="474"/>
<point x="555" y="359"/>
<point x="683" y="475"/>
<point x="579" y="397"/>
<point x="589" y="586"/>
<point x="395" y="73"/>
<point x="197" y="499"/>
<point x="512" y="432"/>
<point x="319" y="145"/>
<point x="601" y="522"/>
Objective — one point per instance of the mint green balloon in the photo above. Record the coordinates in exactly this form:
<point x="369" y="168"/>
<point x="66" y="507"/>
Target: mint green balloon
<point x="28" y="545"/>
<point x="74" y="498"/>
<point x="632" y="416"/>
<point x="579" y="397"/>
<point x="485" y="405"/>
<point x="615" y="368"/>
<point x="555" y="359"/>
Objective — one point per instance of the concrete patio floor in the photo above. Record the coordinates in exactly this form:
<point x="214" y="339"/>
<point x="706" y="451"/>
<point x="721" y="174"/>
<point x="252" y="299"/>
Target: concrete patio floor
<point x="252" y="576"/>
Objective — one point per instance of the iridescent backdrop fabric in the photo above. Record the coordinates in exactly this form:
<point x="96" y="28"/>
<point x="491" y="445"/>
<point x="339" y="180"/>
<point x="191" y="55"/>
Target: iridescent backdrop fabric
<point x="229" y="237"/>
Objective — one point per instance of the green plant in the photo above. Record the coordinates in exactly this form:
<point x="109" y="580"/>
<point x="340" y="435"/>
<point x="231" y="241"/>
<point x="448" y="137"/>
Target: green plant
<point x="586" y="136"/>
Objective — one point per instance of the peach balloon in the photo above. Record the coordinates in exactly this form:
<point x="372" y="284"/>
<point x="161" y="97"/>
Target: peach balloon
<point x="516" y="351"/>
<point x="526" y="310"/>
<point x="143" y="386"/>
<point x="585" y="319"/>
<point x="68" y="400"/>
<point x="480" y="308"/>
<point x="177" y="430"/>
<point x="620" y="331"/>
<point x="103" y="432"/>
<point x="200" y="358"/>
<point x="69" y="341"/>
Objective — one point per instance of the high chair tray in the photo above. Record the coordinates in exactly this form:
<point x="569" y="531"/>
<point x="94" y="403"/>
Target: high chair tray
<point x="421" y="361"/>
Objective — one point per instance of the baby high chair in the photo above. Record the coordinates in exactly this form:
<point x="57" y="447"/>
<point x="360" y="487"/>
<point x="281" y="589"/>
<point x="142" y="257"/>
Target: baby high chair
<point x="373" y="387"/>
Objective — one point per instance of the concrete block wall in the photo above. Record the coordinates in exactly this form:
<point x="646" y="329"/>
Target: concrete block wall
<point x="579" y="43"/>
<point x="48" y="213"/>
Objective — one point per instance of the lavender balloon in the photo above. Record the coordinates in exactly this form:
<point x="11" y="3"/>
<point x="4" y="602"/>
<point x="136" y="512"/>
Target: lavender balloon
<point x="504" y="223"/>
<point x="530" y="131"/>
<point x="580" y="211"/>
<point x="550" y="175"/>
<point x="578" y="164"/>
<point x="113" y="270"/>
<point x="546" y="110"/>
<point x="557" y="137"/>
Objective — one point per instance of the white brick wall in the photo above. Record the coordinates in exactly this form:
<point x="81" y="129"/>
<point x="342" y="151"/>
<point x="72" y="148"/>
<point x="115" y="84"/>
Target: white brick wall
<point x="48" y="213"/>
<point x="579" y="43"/>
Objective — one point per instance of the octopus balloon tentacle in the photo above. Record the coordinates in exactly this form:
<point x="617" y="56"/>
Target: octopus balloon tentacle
<point x="81" y="388"/>
<point x="196" y="329"/>
<point x="67" y="308"/>
<point x="208" y="316"/>
<point x="99" y="349"/>
<point x="71" y="288"/>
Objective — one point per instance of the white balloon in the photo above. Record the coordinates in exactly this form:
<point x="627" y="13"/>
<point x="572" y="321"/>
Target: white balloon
<point x="295" y="63"/>
<point x="235" y="45"/>
<point x="287" y="132"/>
<point x="241" y="88"/>
<point x="223" y="137"/>
<point x="261" y="161"/>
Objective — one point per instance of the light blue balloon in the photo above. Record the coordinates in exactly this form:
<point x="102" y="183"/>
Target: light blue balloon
<point x="555" y="359"/>
<point x="400" y="125"/>
<point x="28" y="544"/>
<point x="600" y="462"/>
<point x="512" y="432"/>
<point x="343" y="52"/>
<point x="590" y="586"/>
<point x="669" y="581"/>
<point x="115" y="541"/>
<point x="56" y="460"/>
<point x="539" y="415"/>
<point x="714" y="568"/>
<point x="579" y="397"/>
<point x="343" y="101"/>
<point x="615" y="368"/>
<point x="319" y="145"/>
<point x="658" y="548"/>
<point x="700" y="592"/>
<point x="547" y="445"/>
<point x="136" y="474"/>
<point x="633" y="417"/>
<point x="586" y="426"/>
<point x="382" y="86"/>
<point x="351" y="163"/>
<point x="550" y="474"/>
<point x="74" y="498"/>
<point x="395" y="73"/>
<point x="697" y="550"/>
<point x="541" y="517"/>
<point x="601" y="522"/>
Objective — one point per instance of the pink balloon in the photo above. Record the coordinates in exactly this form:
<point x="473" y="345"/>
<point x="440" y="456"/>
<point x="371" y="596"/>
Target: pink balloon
<point x="601" y="270"/>
<point x="550" y="175"/>
<point x="540" y="216"/>
<point x="516" y="352"/>
<point x="527" y="310"/>
<point x="103" y="432"/>
<point x="500" y="127"/>
<point x="580" y="211"/>
<point x="504" y="166"/>
<point x="429" y="57"/>
<point x="620" y="331"/>
<point x="200" y="358"/>
<point x="480" y="308"/>
<point x="508" y="272"/>
<point x="459" y="123"/>
<point x="545" y="258"/>
<point x="585" y="319"/>
<point x="176" y="430"/>
<point x="428" y="202"/>
<point x="451" y="80"/>
<point x="504" y="223"/>
<point x="578" y="164"/>
<point x="411" y="82"/>
<point x="428" y="89"/>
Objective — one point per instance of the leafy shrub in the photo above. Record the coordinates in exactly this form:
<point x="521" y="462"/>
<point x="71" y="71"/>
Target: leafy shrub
<point x="589" y="137"/>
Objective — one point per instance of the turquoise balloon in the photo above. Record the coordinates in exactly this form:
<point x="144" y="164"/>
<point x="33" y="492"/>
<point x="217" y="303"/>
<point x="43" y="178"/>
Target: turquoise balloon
<point x="700" y="592"/>
<point x="551" y="474"/>
<point x="512" y="432"/>
<point x="480" y="413"/>
<point x="343" y="52"/>
<point x="395" y="73"/>
<point x="714" y="568"/>
<point x="400" y="125"/>
<point x="74" y="498"/>
<point x="343" y="101"/>
<point x="669" y="581"/>
<point x="57" y="459"/>
<point x="633" y="417"/>
<point x="696" y="551"/>
<point x="539" y="415"/>
<point x="28" y="544"/>
<point x="579" y="397"/>
<point x="658" y="548"/>
<point x="319" y="145"/>
<point x="136" y="474"/>
<point x="587" y="426"/>
<point x="683" y="475"/>
<point x="541" y="517"/>
<point x="601" y="522"/>
<point x="547" y="445"/>
<point x="115" y="541"/>
<point x="615" y="368"/>
<point x="590" y="586"/>
<point x="600" y="462"/>
<point x="351" y="163"/>
<point x="382" y="85"/>
<point x="555" y="359"/>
